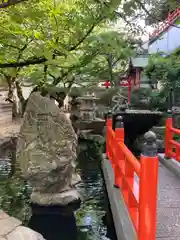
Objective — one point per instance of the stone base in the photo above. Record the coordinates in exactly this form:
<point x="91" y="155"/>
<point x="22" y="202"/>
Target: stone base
<point x="58" y="199"/>
<point x="55" y="209"/>
<point x="96" y="126"/>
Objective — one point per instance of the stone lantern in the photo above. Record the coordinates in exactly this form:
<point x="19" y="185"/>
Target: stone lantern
<point x="87" y="107"/>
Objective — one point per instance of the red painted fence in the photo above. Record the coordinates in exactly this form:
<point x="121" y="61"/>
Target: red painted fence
<point x="172" y="147"/>
<point x="142" y="209"/>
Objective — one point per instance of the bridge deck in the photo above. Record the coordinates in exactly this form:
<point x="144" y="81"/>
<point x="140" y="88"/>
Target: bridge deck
<point x="168" y="217"/>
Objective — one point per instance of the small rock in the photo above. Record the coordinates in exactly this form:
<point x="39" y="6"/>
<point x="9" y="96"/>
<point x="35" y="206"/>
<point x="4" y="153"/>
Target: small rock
<point x="8" y="225"/>
<point x="23" y="233"/>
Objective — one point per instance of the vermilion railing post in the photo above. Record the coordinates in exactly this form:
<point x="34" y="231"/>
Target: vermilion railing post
<point x="148" y="189"/>
<point x="168" y="137"/>
<point x="178" y="154"/>
<point x="119" y="137"/>
<point x="108" y="126"/>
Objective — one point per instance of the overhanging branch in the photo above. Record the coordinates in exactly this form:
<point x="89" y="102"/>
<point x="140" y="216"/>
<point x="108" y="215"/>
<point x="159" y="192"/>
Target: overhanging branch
<point x="33" y="61"/>
<point x="24" y="63"/>
<point x="10" y="3"/>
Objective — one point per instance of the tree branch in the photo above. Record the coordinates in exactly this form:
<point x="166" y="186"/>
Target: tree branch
<point x="33" y="61"/>
<point x="10" y="3"/>
<point x="84" y="37"/>
<point x="52" y="76"/>
<point x="123" y="17"/>
<point x="27" y="62"/>
<point x="11" y="46"/>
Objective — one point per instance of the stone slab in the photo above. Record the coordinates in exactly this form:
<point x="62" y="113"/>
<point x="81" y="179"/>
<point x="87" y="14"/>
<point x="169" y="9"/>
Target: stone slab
<point x="9" y="224"/>
<point x="123" y="225"/>
<point x="168" y="210"/>
<point x="171" y="164"/>
<point x="11" y="229"/>
<point x="3" y="215"/>
<point x="23" y="233"/>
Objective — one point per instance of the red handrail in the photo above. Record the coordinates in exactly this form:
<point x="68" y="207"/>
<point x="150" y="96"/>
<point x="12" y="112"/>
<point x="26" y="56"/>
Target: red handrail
<point x="172" y="17"/>
<point x="172" y="147"/>
<point x="142" y="209"/>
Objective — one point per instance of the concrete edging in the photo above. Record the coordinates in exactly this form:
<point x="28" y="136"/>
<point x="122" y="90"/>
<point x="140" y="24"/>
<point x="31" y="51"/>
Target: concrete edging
<point x="122" y="222"/>
<point x="171" y="164"/>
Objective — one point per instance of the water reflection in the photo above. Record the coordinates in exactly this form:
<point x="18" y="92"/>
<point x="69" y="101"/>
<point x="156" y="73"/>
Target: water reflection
<point x="91" y="217"/>
<point x="54" y="223"/>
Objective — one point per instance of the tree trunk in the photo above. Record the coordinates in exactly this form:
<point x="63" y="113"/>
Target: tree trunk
<point x="10" y="97"/>
<point x="22" y="101"/>
<point x="11" y="86"/>
<point x="109" y="60"/>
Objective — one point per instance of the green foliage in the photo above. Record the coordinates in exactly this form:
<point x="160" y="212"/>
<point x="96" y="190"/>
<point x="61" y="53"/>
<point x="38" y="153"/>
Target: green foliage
<point x="165" y="70"/>
<point x="51" y="42"/>
<point x="148" y="99"/>
<point x="14" y="198"/>
<point x="48" y="42"/>
<point x="7" y="3"/>
<point x="76" y="92"/>
<point x="178" y="22"/>
<point x="105" y="97"/>
<point x="159" y="101"/>
<point x="140" y="98"/>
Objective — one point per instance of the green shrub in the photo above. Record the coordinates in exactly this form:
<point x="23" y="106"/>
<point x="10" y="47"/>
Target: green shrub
<point x="14" y="198"/>
<point x="106" y="96"/>
<point x="144" y="98"/>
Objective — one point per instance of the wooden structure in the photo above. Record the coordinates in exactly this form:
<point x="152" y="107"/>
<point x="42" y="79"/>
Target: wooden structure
<point x="166" y="37"/>
<point x="142" y="207"/>
<point x="172" y="147"/>
<point x="165" y="25"/>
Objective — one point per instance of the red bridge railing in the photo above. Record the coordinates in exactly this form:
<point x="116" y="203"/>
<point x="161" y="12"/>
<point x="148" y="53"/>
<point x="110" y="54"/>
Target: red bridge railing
<point x="172" y="17"/>
<point x="172" y="147"/>
<point x="142" y="208"/>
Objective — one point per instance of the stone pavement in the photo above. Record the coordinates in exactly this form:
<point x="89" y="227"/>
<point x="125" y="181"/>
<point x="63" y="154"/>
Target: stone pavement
<point x="168" y="216"/>
<point x="8" y="127"/>
<point x="11" y="229"/>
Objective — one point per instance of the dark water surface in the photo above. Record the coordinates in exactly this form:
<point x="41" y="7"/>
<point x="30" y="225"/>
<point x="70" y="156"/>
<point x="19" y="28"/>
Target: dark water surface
<point x="90" y="221"/>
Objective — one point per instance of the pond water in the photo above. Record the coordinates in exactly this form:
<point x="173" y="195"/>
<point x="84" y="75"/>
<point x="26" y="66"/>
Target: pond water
<point x="91" y="220"/>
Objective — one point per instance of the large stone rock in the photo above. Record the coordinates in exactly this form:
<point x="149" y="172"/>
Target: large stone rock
<point x="46" y="151"/>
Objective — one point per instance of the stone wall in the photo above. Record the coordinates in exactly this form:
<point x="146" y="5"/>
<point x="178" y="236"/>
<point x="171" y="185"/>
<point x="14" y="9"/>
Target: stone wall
<point x="12" y="229"/>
